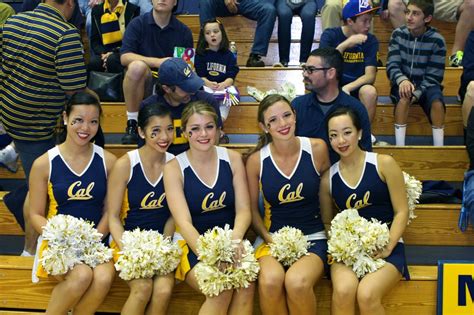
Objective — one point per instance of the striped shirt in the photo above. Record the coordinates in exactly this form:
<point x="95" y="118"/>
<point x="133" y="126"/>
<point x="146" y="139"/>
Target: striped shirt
<point x="418" y="59"/>
<point x="41" y="57"/>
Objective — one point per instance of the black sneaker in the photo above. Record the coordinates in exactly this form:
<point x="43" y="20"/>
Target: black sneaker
<point x="131" y="133"/>
<point x="255" y="61"/>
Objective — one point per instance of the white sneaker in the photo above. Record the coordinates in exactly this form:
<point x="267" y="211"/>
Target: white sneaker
<point x="9" y="158"/>
<point x="24" y="253"/>
<point x="373" y="139"/>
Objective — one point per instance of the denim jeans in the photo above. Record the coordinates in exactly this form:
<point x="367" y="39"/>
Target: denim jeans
<point x="262" y="11"/>
<point x="307" y="12"/>
<point x="29" y="151"/>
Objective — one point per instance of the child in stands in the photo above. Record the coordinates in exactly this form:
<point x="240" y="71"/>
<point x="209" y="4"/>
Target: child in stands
<point x="214" y="62"/>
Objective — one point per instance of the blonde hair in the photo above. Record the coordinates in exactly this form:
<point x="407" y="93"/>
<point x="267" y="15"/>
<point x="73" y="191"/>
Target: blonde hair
<point x="197" y="107"/>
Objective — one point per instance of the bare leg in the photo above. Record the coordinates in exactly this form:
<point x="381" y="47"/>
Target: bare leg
<point x="271" y="286"/>
<point x="368" y="97"/>
<point x="374" y="286"/>
<point x="437" y="114"/>
<point x="212" y="305"/>
<point x="140" y="293"/>
<point x="345" y="283"/>
<point x="134" y="83"/>
<point x="401" y="111"/>
<point x="299" y="283"/>
<point x="70" y="290"/>
<point x="464" y="26"/>
<point x="31" y="236"/>
<point x="396" y="9"/>
<point x="102" y="280"/>
<point x="160" y="298"/>
<point x="242" y="301"/>
<point x="467" y="103"/>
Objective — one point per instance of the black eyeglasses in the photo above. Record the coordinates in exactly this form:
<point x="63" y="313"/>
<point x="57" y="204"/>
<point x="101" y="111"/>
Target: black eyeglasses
<point x="311" y="69"/>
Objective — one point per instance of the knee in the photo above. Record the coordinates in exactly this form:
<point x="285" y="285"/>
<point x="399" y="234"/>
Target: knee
<point x="437" y="106"/>
<point x="395" y="6"/>
<point x="467" y="6"/>
<point x="470" y="89"/>
<point x="368" y="92"/>
<point x="270" y="282"/>
<point x="268" y="10"/>
<point x="344" y="294"/>
<point x="141" y="290"/>
<point x="297" y="284"/>
<point x="222" y="301"/>
<point x="332" y="5"/>
<point x="368" y="300"/>
<point x="162" y="292"/>
<point x="81" y="280"/>
<point x="284" y="14"/>
<point x="136" y="70"/>
<point x="105" y="277"/>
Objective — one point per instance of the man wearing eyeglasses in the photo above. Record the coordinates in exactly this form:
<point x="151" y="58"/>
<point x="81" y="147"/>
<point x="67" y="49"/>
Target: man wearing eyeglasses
<point x="359" y="49"/>
<point x="321" y="76"/>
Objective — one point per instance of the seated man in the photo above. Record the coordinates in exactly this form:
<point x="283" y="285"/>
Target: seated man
<point x="415" y="67"/>
<point x="110" y="19"/>
<point x="466" y="90"/>
<point x="460" y="11"/>
<point x="262" y="11"/>
<point x="179" y="86"/>
<point x="359" y="50"/>
<point x="149" y="40"/>
<point x="321" y="76"/>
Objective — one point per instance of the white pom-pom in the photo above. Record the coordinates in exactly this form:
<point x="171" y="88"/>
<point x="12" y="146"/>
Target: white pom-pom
<point x="146" y="254"/>
<point x="71" y="241"/>
<point x="217" y="270"/>
<point x="289" y="244"/>
<point x="353" y="240"/>
<point x="414" y="189"/>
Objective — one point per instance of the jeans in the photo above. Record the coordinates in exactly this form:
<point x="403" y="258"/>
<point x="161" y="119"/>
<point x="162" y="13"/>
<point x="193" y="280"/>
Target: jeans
<point x="262" y="11"/>
<point x="29" y="151"/>
<point x="307" y="13"/>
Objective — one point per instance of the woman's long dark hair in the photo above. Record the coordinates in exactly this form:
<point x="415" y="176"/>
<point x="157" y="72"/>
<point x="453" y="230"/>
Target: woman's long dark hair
<point x="81" y="98"/>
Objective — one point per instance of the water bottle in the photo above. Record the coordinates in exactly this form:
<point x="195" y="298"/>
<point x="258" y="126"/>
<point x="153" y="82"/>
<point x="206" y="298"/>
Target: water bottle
<point x="233" y="49"/>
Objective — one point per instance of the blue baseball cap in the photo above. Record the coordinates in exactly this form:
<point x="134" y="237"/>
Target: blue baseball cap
<point x="176" y="72"/>
<point x="355" y="8"/>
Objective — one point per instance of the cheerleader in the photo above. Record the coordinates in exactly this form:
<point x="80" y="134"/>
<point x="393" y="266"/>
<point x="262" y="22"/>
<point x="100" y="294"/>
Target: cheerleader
<point x="136" y="199"/>
<point x="373" y="184"/>
<point x="71" y="179"/>
<point x="286" y="171"/>
<point x="206" y="187"/>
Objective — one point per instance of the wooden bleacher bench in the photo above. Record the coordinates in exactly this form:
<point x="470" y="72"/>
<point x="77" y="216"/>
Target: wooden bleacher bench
<point x="241" y="30"/>
<point x="417" y="296"/>
<point x="242" y="119"/>
<point x="424" y="162"/>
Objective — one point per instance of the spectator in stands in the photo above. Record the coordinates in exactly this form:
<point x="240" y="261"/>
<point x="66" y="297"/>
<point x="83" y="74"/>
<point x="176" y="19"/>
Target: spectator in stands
<point x="214" y="62"/>
<point x="322" y="73"/>
<point x="179" y="86"/>
<point x="460" y="11"/>
<point x="109" y="21"/>
<point x="286" y="170"/>
<point x="136" y="199"/>
<point x="149" y="40"/>
<point x="8" y="154"/>
<point x="31" y="102"/>
<point x="466" y="90"/>
<point x="359" y="49"/>
<point x="262" y="11"/>
<point x="331" y="12"/>
<point x="415" y="67"/>
<point x="76" y="18"/>
<point x="285" y="11"/>
<point x="373" y="184"/>
<point x="71" y="179"/>
<point x="206" y="187"/>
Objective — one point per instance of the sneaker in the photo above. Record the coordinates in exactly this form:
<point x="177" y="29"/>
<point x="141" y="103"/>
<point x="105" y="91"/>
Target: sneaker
<point x="381" y="143"/>
<point x="281" y="64"/>
<point x="456" y="59"/>
<point x="9" y="158"/>
<point x="302" y="64"/>
<point x="131" y="133"/>
<point x="255" y="61"/>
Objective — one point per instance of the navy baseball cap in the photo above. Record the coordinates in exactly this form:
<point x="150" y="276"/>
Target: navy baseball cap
<point x="176" y="72"/>
<point x="355" y="8"/>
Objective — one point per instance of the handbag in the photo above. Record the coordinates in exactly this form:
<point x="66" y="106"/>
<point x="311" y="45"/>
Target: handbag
<point x="295" y="4"/>
<point x="108" y="86"/>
